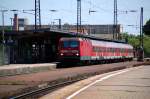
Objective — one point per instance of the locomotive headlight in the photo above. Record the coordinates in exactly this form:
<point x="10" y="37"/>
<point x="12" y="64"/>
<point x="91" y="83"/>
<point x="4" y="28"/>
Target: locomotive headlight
<point x="77" y="54"/>
<point x="61" y="54"/>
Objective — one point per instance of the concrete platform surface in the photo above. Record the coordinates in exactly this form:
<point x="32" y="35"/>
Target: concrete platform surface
<point x="134" y="84"/>
<point x="130" y="83"/>
<point x="15" y="69"/>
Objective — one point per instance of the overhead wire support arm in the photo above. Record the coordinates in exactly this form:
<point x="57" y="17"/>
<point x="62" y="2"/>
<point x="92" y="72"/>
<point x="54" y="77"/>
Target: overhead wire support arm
<point x="28" y="11"/>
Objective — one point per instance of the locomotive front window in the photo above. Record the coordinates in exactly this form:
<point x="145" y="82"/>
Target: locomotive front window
<point x="65" y="44"/>
<point x="72" y="44"/>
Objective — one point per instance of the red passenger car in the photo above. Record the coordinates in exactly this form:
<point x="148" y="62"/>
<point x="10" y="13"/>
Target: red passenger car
<point x="76" y="49"/>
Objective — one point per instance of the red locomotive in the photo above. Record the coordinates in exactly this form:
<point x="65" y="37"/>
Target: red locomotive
<point x="76" y="49"/>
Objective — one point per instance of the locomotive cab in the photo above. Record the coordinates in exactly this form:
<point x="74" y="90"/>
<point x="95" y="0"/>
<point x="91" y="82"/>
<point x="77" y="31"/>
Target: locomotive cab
<point x="69" y="49"/>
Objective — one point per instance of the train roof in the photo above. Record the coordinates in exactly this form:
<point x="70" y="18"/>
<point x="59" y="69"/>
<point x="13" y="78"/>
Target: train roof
<point x="100" y="39"/>
<point x="71" y="38"/>
<point x="94" y="38"/>
<point x="101" y="42"/>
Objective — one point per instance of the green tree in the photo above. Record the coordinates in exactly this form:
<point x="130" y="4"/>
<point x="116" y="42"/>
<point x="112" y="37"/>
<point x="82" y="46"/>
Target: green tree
<point x="147" y="46"/>
<point x="135" y="42"/>
<point x="146" y="28"/>
<point x="131" y="39"/>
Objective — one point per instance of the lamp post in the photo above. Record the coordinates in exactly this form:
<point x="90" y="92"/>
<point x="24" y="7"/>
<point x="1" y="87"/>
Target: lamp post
<point x="59" y="21"/>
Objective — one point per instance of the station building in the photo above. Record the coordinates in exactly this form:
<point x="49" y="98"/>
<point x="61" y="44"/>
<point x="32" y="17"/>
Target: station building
<point x="26" y="45"/>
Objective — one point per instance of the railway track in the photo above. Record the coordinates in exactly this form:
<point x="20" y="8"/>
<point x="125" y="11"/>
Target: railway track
<point x="52" y="86"/>
<point x="60" y="78"/>
<point x="42" y="91"/>
<point x="47" y="88"/>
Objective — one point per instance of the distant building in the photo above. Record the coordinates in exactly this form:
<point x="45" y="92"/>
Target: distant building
<point x="22" y="22"/>
<point x="19" y="23"/>
<point x="101" y="31"/>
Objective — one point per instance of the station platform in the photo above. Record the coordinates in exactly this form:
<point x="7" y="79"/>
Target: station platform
<point x="16" y="69"/>
<point x="127" y="84"/>
<point x="130" y="83"/>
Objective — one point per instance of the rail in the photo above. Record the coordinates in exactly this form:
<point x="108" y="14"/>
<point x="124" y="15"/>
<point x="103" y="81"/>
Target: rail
<point x="48" y="87"/>
<point x="42" y="91"/>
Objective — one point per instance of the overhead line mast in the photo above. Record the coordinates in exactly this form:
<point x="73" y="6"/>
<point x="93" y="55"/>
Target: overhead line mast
<point x="37" y="15"/>
<point x="115" y="34"/>
<point x="78" y="16"/>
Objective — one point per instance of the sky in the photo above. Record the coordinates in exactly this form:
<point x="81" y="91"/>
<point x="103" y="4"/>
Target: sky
<point x="66" y="11"/>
